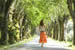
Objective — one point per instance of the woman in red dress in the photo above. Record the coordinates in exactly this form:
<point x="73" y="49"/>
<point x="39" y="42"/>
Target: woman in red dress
<point x="43" y="37"/>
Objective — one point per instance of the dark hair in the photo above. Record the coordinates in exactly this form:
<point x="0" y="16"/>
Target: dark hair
<point x="41" y="23"/>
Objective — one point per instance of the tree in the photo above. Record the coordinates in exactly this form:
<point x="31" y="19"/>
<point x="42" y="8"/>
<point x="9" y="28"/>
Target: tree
<point x="71" y="7"/>
<point x="4" y="30"/>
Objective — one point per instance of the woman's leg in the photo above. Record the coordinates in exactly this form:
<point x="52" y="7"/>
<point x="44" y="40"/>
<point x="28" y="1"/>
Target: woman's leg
<point x="42" y="44"/>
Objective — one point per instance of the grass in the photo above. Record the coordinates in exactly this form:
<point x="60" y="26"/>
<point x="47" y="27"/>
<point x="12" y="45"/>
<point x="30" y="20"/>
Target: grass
<point x="16" y="44"/>
<point x="69" y="43"/>
<point x="73" y="47"/>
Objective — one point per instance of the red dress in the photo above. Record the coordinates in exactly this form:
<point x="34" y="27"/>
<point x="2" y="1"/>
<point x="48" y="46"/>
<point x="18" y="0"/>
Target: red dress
<point x="43" y="37"/>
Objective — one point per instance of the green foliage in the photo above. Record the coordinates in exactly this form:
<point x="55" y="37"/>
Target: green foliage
<point x="26" y="14"/>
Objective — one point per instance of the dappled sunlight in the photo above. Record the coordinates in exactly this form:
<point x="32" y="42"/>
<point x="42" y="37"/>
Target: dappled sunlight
<point x="52" y="20"/>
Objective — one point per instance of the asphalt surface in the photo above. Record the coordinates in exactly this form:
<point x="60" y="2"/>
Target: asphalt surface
<point x="35" y="45"/>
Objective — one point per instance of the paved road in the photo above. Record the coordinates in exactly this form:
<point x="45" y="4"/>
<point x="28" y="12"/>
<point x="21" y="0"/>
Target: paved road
<point x="34" y="45"/>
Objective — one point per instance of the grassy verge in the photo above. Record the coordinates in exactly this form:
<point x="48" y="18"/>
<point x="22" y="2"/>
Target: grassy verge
<point x="67" y="44"/>
<point x="73" y="47"/>
<point x="16" y="44"/>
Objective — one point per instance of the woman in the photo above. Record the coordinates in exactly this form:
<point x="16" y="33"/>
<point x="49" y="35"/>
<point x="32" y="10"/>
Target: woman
<point x="43" y="37"/>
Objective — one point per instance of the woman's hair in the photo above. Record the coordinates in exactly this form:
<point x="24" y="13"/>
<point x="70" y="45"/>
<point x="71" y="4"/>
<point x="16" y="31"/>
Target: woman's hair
<point x="41" y="23"/>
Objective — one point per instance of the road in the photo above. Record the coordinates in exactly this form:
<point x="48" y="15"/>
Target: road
<point x="34" y="45"/>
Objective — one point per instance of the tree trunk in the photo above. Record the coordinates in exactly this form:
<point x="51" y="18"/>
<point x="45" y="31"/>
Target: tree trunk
<point x="73" y="31"/>
<point x="23" y="29"/>
<point x="11" y="32"/>
<point x="61" y="38"/>
<point x="49" y="30"/>
<point x="62" y="32"/>
<point x="59" y="31"/>
<point x="56" y="32"/>
<point x="22" y="23"/>
<point x="4" y="30"/>
<point x="72" y="12"/>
